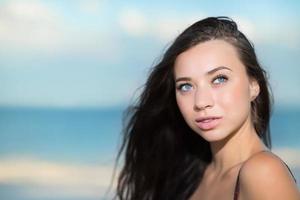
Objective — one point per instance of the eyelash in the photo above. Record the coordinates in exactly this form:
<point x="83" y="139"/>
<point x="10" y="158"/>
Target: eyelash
<point x="217" y="77"/>
<point x="221" y="76"/>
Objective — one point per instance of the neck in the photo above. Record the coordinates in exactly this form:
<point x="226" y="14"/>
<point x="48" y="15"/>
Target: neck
<point x="235" y="149"/>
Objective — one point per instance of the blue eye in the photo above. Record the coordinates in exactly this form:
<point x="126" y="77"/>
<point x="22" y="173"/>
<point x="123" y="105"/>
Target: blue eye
<point x="184" y="87"/>
<point x="220" y="79"/>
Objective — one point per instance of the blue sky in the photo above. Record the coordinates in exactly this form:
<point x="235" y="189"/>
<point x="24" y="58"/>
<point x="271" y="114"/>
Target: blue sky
<point x="96" y="53"/>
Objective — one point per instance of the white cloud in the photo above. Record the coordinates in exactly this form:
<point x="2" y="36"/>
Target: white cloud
<point x="49" y="178"/>
<point x="133" y="21"/>
<point x="91" y="7"/>
<point x="246" y="26"/>
<point x="167" y="26"/>
<point x="161" y="27"/>
<point x="282" y="33"/>
<point x="33" y="27"/>
<point x="29" y="24"/>
<point x="30" y="11"/>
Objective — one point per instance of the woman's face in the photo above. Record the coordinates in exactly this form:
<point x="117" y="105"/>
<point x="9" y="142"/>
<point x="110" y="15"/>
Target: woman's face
<point x="213" y="91"/>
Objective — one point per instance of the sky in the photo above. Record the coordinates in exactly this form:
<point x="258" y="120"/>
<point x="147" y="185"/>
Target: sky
<point x="97" y="53"/>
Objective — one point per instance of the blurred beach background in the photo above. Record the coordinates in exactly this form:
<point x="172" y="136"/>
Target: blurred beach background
<point x="68" y="69"/>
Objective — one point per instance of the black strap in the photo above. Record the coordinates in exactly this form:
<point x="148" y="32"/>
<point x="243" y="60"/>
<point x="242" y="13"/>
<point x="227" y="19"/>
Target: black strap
<point x="237" y="185"/>
<point x="288" y="168"/>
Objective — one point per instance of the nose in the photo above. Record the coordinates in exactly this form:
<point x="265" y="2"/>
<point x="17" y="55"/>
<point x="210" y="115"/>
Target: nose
<point x="203" y="99"/>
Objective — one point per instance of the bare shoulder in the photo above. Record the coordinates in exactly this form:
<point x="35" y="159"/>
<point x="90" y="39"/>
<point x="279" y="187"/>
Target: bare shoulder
<point x="265" y="176"/>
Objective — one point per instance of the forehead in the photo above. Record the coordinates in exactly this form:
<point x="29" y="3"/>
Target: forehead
<point x="208" y="55"/>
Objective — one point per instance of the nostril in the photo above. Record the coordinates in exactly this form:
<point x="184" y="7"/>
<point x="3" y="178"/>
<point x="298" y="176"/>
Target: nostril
<point x="196" y="107"/>
<point x="203" y="100"/>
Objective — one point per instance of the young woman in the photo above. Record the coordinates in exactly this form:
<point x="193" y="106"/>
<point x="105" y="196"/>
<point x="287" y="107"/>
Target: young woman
<point x="200" y="129"/>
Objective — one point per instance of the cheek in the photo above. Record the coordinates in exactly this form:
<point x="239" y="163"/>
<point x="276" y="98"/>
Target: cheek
<point x="235" y="98"/>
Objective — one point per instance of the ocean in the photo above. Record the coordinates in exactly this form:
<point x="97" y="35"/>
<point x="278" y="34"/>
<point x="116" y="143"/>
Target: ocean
<point x="85" y="142"/>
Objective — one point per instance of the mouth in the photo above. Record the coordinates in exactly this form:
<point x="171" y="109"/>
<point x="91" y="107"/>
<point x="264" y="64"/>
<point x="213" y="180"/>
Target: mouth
<point x="207" y="123"/>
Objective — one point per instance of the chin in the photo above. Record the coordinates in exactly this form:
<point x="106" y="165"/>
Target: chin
<point x="212" y="135"/>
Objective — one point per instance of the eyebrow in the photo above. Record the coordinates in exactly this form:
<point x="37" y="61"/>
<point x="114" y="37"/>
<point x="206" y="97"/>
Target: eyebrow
<point x="209" y="73"/>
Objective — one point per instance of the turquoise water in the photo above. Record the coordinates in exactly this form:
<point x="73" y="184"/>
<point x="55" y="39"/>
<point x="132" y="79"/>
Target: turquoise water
<point x="94" y="133"/>
<point x="285" y="126"/>
<point x="60" y="134"/>
<point x="91" y="136"/>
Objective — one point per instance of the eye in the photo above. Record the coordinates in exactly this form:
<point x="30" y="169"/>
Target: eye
<point x="220" y="79"/>
<point x="184" y="87"/>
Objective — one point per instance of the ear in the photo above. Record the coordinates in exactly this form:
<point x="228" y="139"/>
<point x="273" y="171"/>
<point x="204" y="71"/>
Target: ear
<point x="254" y="89"/>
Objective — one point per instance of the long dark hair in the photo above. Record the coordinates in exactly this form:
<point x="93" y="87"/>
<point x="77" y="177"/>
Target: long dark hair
<point x="164" y="158"/>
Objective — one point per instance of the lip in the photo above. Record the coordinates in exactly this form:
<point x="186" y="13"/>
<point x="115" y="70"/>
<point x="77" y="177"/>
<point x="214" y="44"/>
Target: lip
<point x="207" y="123"/>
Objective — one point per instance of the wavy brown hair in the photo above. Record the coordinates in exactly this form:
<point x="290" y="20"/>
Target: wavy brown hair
<point x="164" y="159"/>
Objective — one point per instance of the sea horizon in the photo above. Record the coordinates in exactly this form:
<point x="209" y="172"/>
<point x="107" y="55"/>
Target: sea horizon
<point x="67" y="153"/>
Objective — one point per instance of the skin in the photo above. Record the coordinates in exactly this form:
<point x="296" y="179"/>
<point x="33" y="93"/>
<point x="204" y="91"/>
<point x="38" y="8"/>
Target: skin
<point x="226" y="92"/>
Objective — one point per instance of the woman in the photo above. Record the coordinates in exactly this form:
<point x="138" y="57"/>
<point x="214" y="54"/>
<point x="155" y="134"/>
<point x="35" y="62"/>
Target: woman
<point x="200" y="129"/>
